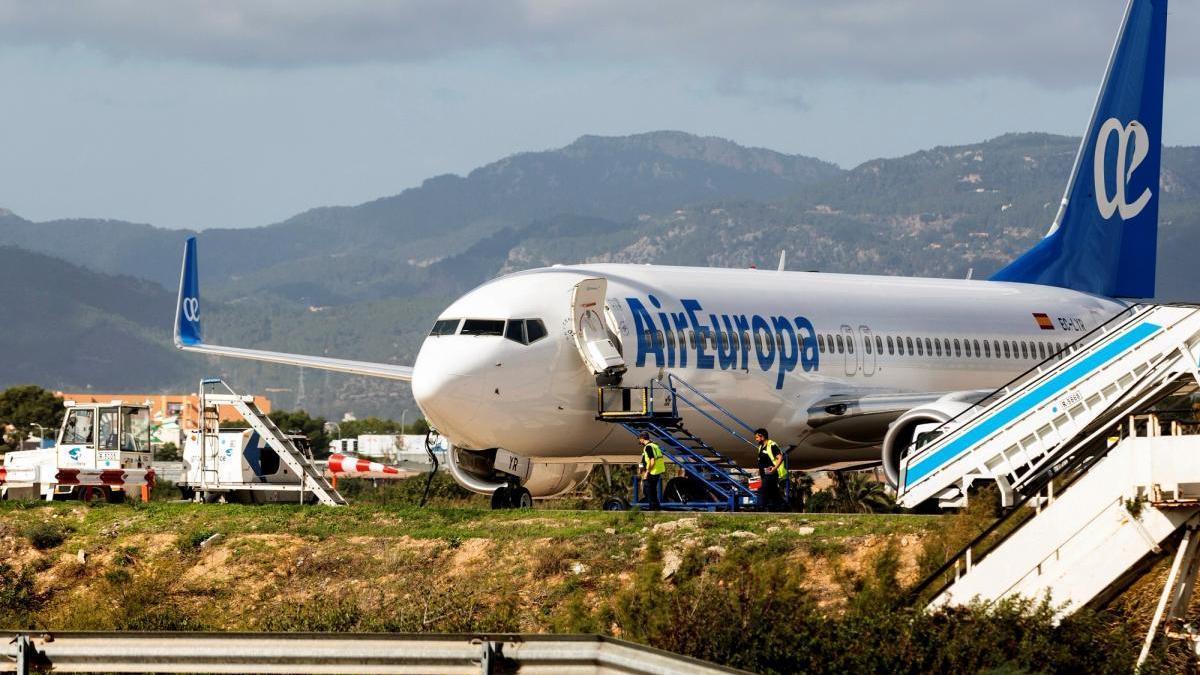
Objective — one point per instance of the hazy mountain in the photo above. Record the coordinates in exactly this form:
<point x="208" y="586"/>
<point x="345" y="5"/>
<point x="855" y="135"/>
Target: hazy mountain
<point x="69" y="327"/>
<point x="340" y="254"/>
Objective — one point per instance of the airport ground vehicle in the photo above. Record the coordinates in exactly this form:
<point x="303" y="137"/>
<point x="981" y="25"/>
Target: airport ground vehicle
<point x="103" y="452"/>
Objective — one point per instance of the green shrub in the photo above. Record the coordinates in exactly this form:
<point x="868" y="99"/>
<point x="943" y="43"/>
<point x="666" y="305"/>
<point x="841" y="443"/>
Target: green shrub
<point x="44" y="535"/>
<point x="19" y="599"/>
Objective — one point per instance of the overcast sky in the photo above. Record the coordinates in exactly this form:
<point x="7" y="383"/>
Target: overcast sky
<point x="233" y="113"/>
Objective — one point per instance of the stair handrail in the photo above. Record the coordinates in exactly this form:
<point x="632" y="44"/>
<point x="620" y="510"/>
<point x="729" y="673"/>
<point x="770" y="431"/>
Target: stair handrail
<point x="663" y="433"/>
<point x="674" y="380"/>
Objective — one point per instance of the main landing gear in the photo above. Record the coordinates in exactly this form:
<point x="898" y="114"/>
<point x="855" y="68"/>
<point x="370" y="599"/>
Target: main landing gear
<point x="512" y="496"/>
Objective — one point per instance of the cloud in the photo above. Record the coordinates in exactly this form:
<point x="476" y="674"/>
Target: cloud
<point x="1052" y="43"/>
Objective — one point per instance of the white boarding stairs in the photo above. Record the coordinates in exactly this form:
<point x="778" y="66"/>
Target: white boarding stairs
<point x="1082" y="543"/>
<point x="1040" y="420"/>
<point x="311" y="479"/>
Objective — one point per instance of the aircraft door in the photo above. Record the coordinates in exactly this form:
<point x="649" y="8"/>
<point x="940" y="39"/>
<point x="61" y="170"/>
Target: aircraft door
<point x="592" y="337"/>
<point x="852" y="352"/>
<point x="869" y="350"/>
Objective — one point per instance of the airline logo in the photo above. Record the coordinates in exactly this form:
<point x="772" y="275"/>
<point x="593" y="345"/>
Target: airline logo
<point x="1122" y="165"/>
<point x="1043" y="321"/>
<point x="191" y="309"/>
<point x="779" y="343"/>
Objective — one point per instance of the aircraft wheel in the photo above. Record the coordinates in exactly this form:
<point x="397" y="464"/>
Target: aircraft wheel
<point x="501" y="498"/>
<point x="522" y="499"/>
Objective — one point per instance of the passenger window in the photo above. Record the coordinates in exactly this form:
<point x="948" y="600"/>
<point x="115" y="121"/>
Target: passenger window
<point x="1007" y="351"/>
<point x="891" y="346"/>
<point x="849" y="344"/>
<point x="996" y="346"/>
<point x="957" y="348"/>
<point x="79" y="428"/>
<point x="928" y="347"/>
<point x="444" y="327"/>
<point x="1024" y="350"/>
<point x="977" y="352"/>
<point x="987" y="349"/>
<point x="821" y="343"/>
<point x="878" y="344"/>
<point x="967" y="348"/>
<point x="937" y="348"/>
<point x="483" y="327"/>
<point x="692" y="338"/>
<point x="1041" y="350"/>
<point x="745" y="341"/>
<point x="867" y="345"/>
<point x="841" y="346"/>
<point x="920" y="348"/>
<point x="723" y="340"/>
<point x="909" y="344"/>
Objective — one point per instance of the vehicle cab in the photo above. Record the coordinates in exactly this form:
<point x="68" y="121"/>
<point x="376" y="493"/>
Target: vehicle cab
<point x="112" y="435"/>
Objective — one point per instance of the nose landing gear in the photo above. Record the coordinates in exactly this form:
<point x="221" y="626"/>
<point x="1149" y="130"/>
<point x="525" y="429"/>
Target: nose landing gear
<point x="512" y="496"/>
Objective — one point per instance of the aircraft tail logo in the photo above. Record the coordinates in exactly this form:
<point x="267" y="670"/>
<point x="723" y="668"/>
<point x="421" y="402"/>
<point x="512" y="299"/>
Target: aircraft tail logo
<point x="1141" y="147"/>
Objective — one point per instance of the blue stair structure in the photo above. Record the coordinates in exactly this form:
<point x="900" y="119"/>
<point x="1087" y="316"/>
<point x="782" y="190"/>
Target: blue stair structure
<point x="714" y="481"/>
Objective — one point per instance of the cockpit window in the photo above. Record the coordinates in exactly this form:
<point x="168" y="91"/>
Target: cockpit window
<point x="445" y="327"/>
<point x="483" y="327"/>
<point x="525" y="331"/>
<point x="534" y="330"/>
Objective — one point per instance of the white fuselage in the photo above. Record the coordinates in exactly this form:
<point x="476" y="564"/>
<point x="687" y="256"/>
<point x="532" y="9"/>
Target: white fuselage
<point x="538" y="400"/>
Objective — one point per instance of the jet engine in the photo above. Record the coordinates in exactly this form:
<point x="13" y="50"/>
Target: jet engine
<point x="483" y="471"/>
<point x="900" y="433"/>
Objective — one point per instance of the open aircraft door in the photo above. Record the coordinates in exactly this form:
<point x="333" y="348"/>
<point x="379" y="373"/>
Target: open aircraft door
<point x="592" y="337"/>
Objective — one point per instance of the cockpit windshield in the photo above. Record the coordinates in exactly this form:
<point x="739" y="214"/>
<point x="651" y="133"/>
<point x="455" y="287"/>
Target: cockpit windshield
<point x="523" y="331"/>
<point x="445" y="327"/>
<point x="483" y="327"/>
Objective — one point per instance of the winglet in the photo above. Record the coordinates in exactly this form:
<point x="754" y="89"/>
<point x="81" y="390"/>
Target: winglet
<point x="187" y="309"/>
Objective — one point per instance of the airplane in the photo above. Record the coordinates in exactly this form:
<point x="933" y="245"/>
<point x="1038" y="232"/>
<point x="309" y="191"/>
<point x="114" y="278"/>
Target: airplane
<point x="840" y="368"/>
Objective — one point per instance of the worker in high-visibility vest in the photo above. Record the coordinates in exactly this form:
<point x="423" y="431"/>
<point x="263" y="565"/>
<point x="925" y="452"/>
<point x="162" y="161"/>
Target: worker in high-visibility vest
<point x="771" y="470"/>
<point x="651" y="470"/>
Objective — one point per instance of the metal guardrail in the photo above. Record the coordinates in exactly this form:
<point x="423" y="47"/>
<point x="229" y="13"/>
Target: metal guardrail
<point x="86" y="652"/>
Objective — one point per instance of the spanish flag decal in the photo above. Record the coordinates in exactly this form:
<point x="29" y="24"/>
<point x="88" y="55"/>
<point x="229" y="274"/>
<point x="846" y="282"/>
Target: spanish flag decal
<point x="1043" y="321"/>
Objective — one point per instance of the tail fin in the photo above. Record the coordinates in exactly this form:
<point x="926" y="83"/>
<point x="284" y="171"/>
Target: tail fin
<point x="187" y="308"/>
<point x="1104" y="237"/>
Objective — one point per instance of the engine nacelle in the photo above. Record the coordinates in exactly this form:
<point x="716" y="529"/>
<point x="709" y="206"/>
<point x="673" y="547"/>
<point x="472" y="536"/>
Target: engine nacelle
<point x="485" y="471"/>
<point x="901" y="433"/>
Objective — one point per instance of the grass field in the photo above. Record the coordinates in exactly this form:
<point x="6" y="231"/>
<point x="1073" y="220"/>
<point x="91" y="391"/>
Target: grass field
<point x="727" y="587"/>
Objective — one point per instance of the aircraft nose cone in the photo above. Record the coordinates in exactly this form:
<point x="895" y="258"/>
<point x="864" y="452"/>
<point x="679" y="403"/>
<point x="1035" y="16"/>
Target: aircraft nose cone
<point x="449" y="399"/>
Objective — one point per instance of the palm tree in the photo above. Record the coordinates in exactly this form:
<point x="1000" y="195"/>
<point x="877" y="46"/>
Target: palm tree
<point x="859" y="492"/>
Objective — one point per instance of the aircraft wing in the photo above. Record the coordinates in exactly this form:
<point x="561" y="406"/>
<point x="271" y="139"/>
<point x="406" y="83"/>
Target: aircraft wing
<point x="188" y="335"/>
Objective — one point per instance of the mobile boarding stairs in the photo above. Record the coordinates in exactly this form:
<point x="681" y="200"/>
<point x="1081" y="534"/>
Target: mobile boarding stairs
<point x="1110" y="426"/>
<point x="713" y="481"/>
<point x="212" y="482"/>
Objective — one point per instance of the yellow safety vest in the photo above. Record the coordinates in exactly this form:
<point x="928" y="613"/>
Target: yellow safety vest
<point x="652" y="458"/>
<point x="772" y="449"/>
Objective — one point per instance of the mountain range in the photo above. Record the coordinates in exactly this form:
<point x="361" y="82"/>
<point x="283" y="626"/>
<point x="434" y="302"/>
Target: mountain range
<point x="366" y="281"/>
